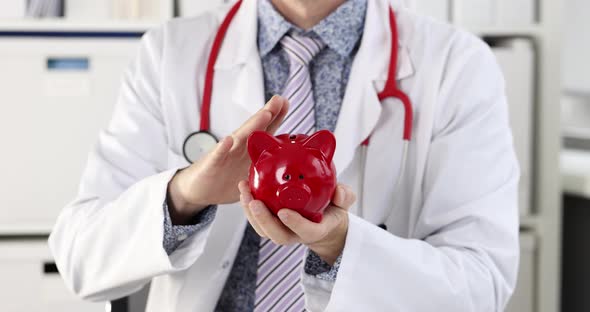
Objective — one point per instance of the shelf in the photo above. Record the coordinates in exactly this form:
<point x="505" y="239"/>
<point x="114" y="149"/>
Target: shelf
<point x="65" y="25"/>
<point x="529" y="223"/>
<point x="24" y="230"/>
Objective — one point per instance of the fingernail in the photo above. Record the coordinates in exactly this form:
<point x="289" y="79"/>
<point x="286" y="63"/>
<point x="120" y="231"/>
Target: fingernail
<point x="273" y="98"/>
<point x="283" y="215"/>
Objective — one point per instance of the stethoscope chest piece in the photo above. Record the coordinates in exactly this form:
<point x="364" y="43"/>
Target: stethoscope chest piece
<point x="197" y="145"/>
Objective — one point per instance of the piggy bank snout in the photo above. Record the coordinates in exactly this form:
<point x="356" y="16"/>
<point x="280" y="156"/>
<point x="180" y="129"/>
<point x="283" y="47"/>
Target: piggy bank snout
<point x="294" y="196"/>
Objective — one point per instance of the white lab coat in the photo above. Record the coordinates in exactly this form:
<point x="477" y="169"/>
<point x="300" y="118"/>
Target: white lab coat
<point x="452" y="243"/>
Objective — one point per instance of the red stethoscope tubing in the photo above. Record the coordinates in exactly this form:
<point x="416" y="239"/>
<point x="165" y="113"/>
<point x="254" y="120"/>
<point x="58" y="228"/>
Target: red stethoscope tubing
<point x="391" y="88"/>
<point x="209" y="74"/>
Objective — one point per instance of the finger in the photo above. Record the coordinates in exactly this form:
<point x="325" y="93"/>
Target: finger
<point x="245" y="199"/>
<point x="343" y="197"/>
<point x="252" y="221"/>
<point x="245" y="194"/>
<point x="244" y="187"/>
<point x="221" y="150"/>
<point x="271" y="225"/>
<point x="308" y="231"/>
<point x="278" y="120"/>
<point x="282" y="107"/>
<point x="261" y="120"/>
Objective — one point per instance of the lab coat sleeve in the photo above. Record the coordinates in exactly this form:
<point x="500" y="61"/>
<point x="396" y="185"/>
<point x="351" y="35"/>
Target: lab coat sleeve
<point x="108" y="242"/>
<point x="462" y="251"/>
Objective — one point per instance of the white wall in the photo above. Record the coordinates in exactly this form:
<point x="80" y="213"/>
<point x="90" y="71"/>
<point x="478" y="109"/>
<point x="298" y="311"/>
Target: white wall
<point x="575" y="102"/>
<point x="576" y="54"/>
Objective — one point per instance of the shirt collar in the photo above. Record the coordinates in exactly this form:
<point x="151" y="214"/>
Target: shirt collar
<point x="340" y="31"/>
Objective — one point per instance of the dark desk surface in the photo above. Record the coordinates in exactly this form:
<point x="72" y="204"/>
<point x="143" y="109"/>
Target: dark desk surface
<point x="575" y="254"/>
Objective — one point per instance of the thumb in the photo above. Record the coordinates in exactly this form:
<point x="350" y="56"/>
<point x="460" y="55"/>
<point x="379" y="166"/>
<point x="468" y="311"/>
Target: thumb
<point x="276" y="122"/>
<point x="343" y="197"/>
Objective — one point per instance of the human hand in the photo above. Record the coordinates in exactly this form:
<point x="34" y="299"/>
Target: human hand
<point x="326" y="238"/>
<point x="212" y="179"/>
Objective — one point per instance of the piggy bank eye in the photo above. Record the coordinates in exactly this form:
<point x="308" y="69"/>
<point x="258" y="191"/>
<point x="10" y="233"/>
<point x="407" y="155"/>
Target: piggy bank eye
<point x="287" y="177"/>
<point x="301" y="177"/>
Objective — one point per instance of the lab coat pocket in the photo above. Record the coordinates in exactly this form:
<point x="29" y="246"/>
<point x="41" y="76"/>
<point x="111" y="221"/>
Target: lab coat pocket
<point x="383" y="165"/>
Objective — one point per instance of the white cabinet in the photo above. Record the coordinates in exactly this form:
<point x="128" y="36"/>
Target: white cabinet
<point x="57" y="94"/>
<point x="88" y="9"/>
<point x="575" y="110"/>
<point x="492" y="13"/>
<point x="517" y="59"/>
<point x="30" y="282"/>
<point x="13" y="9"/>
<point x="516" y="12"/>
<point x="438" y="9"/>
<point x="478" y="13"/>
<point x="576" y="48"/>
<point x="524" y="295"/>
<point x="157" y="10"/>
<point x="105" y="10"/>
<point x="197" y="7"/>
<point x="475" y="12"/>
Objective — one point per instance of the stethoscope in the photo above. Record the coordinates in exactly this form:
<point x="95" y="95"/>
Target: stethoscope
<point x="198" y="143"/>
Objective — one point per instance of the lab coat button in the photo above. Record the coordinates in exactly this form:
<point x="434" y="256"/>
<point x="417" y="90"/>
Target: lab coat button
<point x="182" y="237"/>
<point x="225" y="265"/>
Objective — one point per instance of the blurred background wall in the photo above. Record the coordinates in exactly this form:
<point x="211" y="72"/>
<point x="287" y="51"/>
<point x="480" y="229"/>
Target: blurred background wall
<point x="61" y="63"/>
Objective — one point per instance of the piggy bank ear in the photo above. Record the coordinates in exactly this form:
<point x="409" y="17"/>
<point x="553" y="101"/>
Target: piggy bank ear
<point x="324" y="141"/>
<point x="258" y="142"/>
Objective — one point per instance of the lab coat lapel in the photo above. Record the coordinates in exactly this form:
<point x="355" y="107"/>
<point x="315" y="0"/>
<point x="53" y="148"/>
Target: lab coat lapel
<point x="239" y="60"/>
<point x="361" y="108"/>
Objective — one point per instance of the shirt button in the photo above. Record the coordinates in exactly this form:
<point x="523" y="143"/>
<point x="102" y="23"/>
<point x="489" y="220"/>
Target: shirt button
<point x="182" y="237"/>
<point x="225" y="265"/>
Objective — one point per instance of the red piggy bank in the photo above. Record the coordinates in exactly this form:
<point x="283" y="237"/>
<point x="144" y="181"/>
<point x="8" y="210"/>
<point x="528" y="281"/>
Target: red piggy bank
<point x="293" y="171"/>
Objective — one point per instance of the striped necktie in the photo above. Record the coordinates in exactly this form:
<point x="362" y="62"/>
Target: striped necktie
<point x="278" y="286"/>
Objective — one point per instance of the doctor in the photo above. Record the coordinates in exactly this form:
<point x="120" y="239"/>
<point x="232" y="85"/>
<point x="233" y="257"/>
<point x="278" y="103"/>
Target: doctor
<point x="448" y="239"/>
